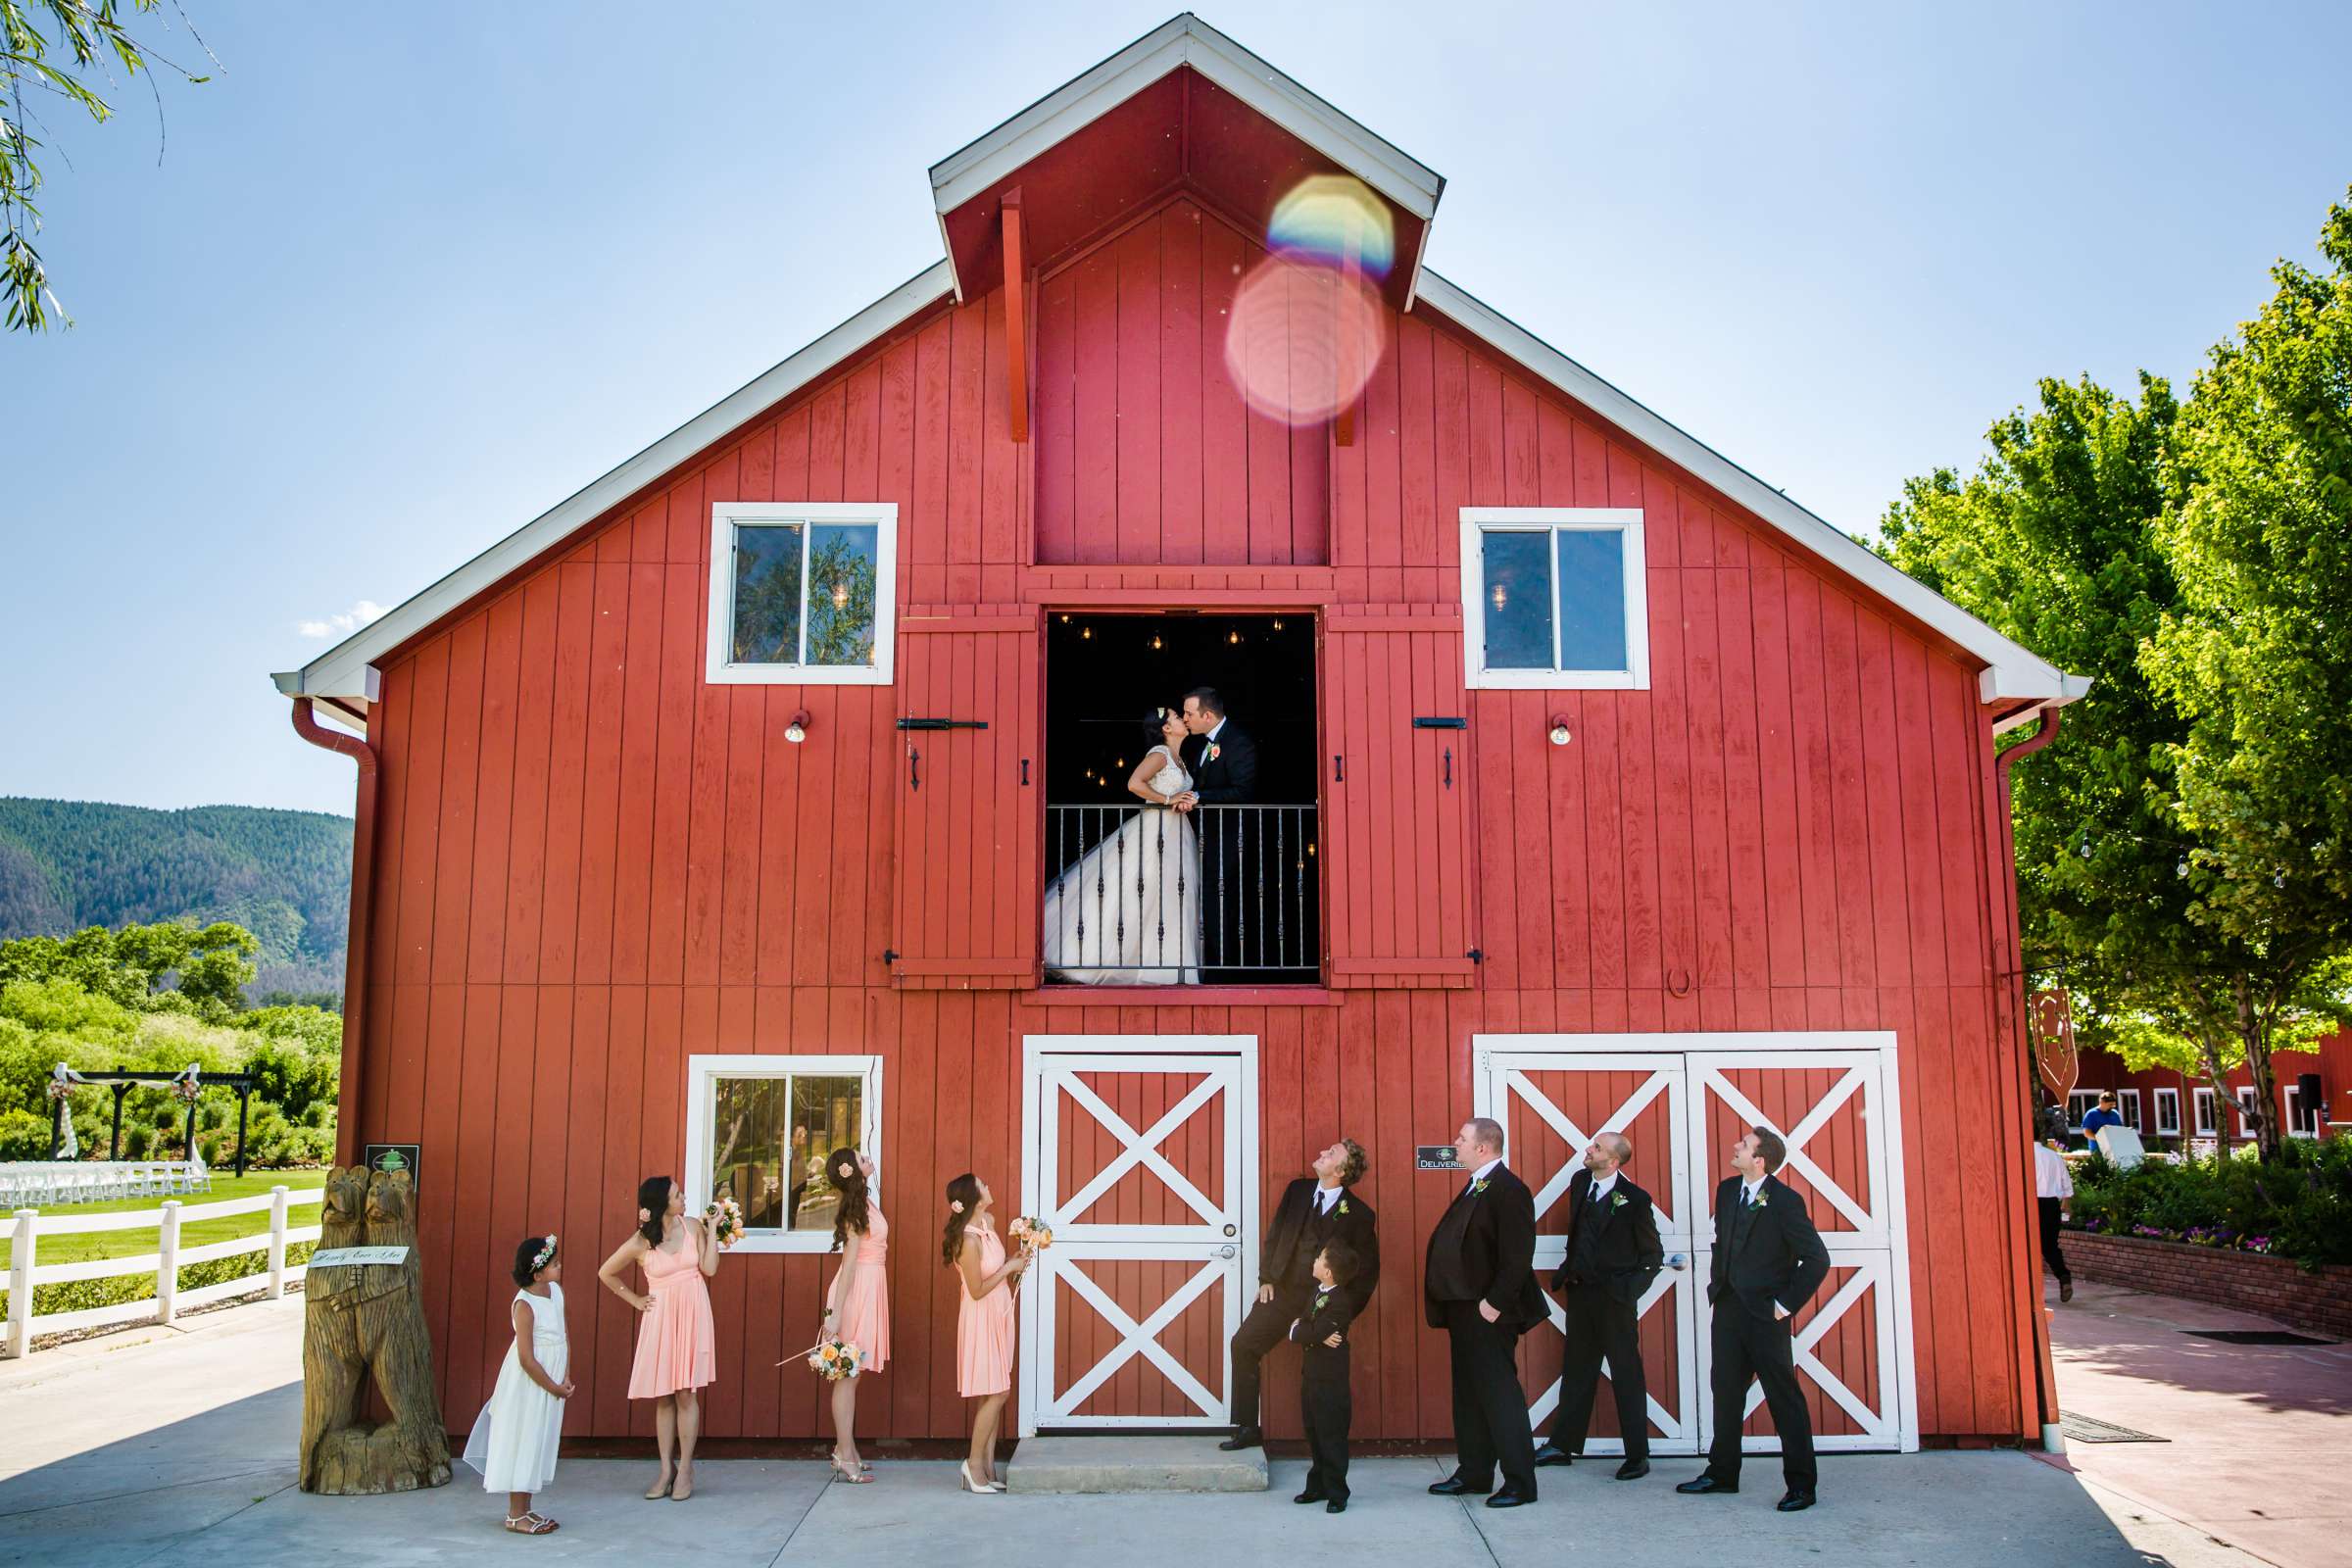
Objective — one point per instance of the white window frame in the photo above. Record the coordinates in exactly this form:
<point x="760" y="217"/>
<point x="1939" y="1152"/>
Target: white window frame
<point x="2209" y="1113"/>
<point x="2088" y="1100"/>
<point x="1478" y="522"/>
<point x="2132" y="1116"/>
<point x="2167" y="1097"/>
<point x="701" y="1080"/>
<point x="2292" y="1094"/>
<point x="726" y="516"/>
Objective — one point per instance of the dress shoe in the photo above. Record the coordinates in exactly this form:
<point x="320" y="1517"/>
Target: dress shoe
<point x="1507" y="1498"/>
<point x="1795" y="1502"/>
<point x="1632" y="1470"/>
<point x="1707" y="1486"/>
<point x="1312" y="1497"/>
<point x="1336" y="1506"/>
<point x="1550" y="1453"/>
<point x="1453" y="1486"/>
<point x="1243" y="1437"/>
<point x="2065" y="1290"/>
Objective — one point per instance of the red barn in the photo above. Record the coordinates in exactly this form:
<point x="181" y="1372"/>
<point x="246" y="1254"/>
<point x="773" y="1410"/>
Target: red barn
<point x="709" y="819"/>
<point x="2172" y="1108"/>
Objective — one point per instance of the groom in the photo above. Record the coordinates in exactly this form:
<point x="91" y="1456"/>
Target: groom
<point x="1224" y="762"/>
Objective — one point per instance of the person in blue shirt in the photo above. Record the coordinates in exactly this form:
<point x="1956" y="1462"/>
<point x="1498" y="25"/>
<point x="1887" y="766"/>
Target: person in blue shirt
<point x="2104" y="1115"/>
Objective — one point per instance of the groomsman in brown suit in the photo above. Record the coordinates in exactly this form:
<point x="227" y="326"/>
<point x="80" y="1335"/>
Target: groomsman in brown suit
<point x="1613" y="1253"/>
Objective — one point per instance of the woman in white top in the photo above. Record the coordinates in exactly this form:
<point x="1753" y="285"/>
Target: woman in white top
<point x="1128" y="913"/>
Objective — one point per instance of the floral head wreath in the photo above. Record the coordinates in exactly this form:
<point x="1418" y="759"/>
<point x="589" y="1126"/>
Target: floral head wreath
<point x="546" y="1253"/>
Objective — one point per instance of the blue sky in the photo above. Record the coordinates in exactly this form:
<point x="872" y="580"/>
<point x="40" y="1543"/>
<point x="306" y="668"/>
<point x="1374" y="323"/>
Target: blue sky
<point x="409" y="274"/>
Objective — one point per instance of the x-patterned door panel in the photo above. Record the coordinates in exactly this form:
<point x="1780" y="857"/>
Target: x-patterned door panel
<point x="1552" y="1107"/>
<point x="1138" y="1165"/>
<point x="1826" y="1106"/>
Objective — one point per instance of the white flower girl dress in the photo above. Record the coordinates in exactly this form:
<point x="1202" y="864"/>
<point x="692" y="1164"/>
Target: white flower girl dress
<point x="514" y="1440"/>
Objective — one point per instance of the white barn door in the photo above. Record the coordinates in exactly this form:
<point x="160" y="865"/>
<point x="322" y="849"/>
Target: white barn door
<point x="1142" y="1154"/>
<point x="1683" y="1099"/>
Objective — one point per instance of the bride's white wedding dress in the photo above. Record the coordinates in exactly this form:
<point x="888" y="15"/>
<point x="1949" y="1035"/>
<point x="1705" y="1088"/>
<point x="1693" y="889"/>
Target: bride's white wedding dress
<point x="1128" y="913"/>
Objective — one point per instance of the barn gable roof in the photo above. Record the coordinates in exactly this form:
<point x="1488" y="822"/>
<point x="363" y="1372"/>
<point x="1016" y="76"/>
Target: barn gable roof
<point x="344" y="678"/>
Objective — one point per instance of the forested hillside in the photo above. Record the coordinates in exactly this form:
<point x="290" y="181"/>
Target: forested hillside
<point x="285" y="876"/>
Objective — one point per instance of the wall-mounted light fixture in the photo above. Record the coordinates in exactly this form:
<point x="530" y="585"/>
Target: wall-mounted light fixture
<point x="1560" y="729"/>
<point x="796" y="729"/>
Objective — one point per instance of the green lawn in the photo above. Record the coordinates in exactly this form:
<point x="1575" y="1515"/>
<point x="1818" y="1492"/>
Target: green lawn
<point x="55" y="1249"/>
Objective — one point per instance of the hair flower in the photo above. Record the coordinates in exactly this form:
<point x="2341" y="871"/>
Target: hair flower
<point x="955" y="1205"/>
<point x="643" y="1214"/>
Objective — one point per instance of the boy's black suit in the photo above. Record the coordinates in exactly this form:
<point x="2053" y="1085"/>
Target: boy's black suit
<point x="1323" y="1396"/>
<point x="1483" y="1251"/>
<point x="1766" y="1253"/>
<point x="1229" y="852"/>
<point x="1286" y="1262"/>
<point x="1613" y="1253"/>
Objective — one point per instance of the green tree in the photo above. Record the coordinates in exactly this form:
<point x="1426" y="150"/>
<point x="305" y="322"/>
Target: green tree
<point x="51" y="50"/>
<point x="210" y="963"/>
<point x="2257" y="653"/>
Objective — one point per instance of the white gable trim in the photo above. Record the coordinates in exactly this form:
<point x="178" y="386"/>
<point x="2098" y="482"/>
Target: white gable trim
<point x="1185" y="40"/>
<point x="2012" y="671"/>
<point x="343" y="672"/>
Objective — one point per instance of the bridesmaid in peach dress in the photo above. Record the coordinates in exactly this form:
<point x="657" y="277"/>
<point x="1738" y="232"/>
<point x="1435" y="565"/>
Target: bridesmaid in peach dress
<point x="984" y="1318"/>
<point x="858" y="1307"/>
<point x="675" y="1341"/>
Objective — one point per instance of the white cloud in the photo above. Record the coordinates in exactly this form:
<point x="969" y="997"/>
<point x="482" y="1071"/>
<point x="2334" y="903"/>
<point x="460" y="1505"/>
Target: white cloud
<point x="344" y="624"/>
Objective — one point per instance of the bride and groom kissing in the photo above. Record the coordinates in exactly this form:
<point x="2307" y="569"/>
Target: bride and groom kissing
<point x="1137" y="908"/>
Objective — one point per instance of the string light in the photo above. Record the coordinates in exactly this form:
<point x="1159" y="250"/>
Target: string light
<point x="1233" y="637"/>
<point x="1087" y="632"/>
<point x="1278" y="625"/>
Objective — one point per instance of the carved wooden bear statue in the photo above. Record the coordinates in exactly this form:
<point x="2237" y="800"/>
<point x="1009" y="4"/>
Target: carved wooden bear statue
<point x="363" y="1317"/>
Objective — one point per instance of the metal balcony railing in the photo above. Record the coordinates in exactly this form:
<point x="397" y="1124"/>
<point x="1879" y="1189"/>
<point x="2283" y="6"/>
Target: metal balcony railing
<point x="1141" y="894"/>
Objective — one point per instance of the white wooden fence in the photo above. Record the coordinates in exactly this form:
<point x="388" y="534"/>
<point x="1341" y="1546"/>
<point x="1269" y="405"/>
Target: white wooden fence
<point x="25" y="1271"/>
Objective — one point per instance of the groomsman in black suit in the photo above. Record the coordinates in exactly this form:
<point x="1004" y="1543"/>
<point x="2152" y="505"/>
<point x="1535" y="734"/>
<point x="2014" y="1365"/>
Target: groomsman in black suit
<point x="1224" y="762"/>
<point x="1314" y="1209"/>
<point x="1479" y="1285"/>
<point x="1768" y="1262"/>
<point x="1613" y="1253"/>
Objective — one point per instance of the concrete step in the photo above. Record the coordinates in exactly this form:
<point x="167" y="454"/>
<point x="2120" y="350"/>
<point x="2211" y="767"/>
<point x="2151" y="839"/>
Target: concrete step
<point x="1111" y="1462"/>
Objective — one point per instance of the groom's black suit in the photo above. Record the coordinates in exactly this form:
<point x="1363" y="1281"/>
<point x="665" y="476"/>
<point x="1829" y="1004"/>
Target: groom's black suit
<point x="1228" y="849"/>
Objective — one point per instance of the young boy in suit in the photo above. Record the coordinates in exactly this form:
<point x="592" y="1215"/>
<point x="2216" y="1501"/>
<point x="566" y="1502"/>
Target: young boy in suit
<point x="1322" y="1335"/>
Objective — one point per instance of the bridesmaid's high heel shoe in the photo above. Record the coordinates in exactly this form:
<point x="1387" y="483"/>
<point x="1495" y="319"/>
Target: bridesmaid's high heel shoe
<point x="985" y="1487"/>
<point x="661" y="1487"/>
<point x="857" y="1477"/>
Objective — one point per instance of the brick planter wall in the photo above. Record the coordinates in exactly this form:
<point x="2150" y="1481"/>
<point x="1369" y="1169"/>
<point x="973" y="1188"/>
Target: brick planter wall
<point x="2318" y="1304"/>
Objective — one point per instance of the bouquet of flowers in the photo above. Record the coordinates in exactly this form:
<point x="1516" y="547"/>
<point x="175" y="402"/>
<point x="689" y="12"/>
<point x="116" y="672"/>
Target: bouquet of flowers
<point x="60" y="1088"/>
<point x="1033" y="1233"/>
<point x="835" y="1358"/>
<point x="724" y="1216"/>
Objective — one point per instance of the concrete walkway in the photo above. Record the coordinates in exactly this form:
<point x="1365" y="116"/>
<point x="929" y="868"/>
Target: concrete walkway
<point x="175" y="1445"/>
<point x="2259" y="1436"/>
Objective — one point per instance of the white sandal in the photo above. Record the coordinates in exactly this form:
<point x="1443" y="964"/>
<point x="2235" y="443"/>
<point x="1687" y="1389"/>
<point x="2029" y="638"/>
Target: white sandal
<point x="533" y="1523"/>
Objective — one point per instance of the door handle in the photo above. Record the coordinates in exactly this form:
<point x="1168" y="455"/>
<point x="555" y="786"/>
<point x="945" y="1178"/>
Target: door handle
<point x="1678" y="1262"/>
<point x="1226" y="1251"/>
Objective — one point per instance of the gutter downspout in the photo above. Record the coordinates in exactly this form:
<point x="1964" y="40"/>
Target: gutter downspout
<point x="2012" y="993"/>
<point x="355" y="957"/>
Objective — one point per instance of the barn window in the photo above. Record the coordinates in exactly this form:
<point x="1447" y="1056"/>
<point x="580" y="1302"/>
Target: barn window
<point x="802" y="593"/>
<point x="1552" y="598"/>
<point x="2207" y="1122"/>
<point x="2167" y="1112"/>
<point x="759" y="1129"/>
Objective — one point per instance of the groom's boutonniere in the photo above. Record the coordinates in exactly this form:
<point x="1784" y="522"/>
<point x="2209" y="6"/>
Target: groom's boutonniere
<point x="1617" y="1201"/>
<point x="1759" y="1203"/>
<point x="1322" y="1300"/>
<point x="1214" y="751"/>
<point x="1478" y="1186"/>
<point x="1343" y="1206"/>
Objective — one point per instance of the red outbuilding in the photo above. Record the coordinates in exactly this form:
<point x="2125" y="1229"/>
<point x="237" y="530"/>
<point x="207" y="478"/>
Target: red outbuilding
<point x="710" y="821"/>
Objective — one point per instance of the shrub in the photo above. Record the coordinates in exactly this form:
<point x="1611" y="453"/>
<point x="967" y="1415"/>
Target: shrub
<point x="2299" y="1205"/>
<point x="23" y="1134"/>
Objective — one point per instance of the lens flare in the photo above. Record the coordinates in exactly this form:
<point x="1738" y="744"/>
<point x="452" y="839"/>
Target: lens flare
<point x="1303" y="340"/>
<point x="1334" y="220"/>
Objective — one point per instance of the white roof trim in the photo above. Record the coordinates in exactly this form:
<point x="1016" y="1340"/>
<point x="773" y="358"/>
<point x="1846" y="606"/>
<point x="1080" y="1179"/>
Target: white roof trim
<point x="1185" y="40"/>
<point x="345" y="672"/>
<point x="2013" y="671"/>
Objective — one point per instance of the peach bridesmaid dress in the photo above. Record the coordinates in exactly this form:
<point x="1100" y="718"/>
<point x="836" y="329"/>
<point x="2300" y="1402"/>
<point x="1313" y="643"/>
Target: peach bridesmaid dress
<point x="865" y="1319"/>
<point x="675" y="1340"/>
<point x="984" y="1329"/>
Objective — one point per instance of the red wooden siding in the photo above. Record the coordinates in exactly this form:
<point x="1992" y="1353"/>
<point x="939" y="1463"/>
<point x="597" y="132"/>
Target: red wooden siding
<point x="590" y="865"/>
<point x="1145" y="451"/>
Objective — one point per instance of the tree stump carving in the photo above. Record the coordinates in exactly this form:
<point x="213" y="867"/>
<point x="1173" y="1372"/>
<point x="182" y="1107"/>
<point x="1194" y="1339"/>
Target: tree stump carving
<point x="363" y="1318"/>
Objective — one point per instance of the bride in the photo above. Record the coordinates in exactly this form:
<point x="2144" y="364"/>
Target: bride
<point x="1128" y="913"/>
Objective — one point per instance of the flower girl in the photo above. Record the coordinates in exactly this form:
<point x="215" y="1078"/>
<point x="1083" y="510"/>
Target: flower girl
<point x="514" y="1440"/>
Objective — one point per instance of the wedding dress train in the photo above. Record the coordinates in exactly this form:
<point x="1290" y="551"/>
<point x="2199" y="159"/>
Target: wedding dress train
<point x="1128" y="913"/>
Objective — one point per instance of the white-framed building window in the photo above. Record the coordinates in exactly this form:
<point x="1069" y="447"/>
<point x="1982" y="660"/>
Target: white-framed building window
<point x="759" y="1129"/>
<point x="1556" y="597"/>
<point x="2208" y="1123"/>
<point x="2245" y="1108"/>
<point x="802" y="591"/>
<point x="2081" y="1103"/>
<point x="2167" y="1112"/>
<point x="2298" y="1120"/>
<point x="2126" y="1102"/>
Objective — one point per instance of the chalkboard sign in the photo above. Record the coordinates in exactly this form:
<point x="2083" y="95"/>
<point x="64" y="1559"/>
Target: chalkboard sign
<point x="391" y="1158"/>
<point x="1434" y="1156"/>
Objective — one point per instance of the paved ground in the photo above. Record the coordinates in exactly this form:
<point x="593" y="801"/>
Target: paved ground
<point x="2260" y="1436"/>
<point x="136" y="1450"/>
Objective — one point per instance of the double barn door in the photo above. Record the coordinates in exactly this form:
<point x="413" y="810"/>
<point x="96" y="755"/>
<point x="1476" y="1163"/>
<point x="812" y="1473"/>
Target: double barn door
<point x="1683" y="1101"/>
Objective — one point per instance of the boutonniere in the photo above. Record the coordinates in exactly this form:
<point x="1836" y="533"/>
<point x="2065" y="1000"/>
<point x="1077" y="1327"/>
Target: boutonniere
<point x="1617" y="1201"/>
<point x="1759" y="1203"/>
<point x="1322" y="1300"/>
<point x="1343" y="1206"/>
<point x="1478" y="1186"/>
<point x="1214" y="751"/>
